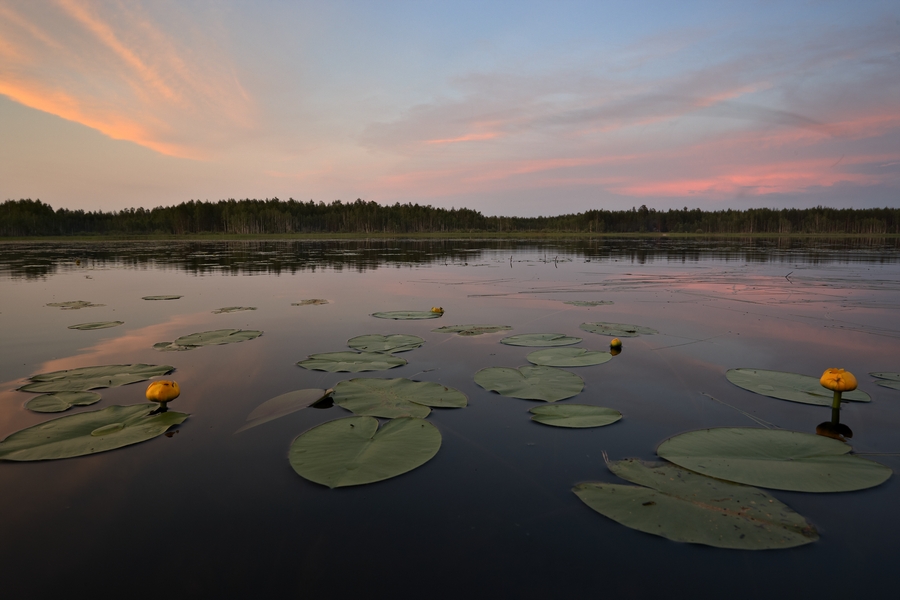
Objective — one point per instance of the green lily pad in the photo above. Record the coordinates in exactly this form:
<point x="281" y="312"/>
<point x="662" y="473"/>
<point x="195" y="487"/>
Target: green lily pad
<point x="283" y="405"/>
<point x="540" y="340"/>
<point x="88" y="433"/>
<point x="170" y="297"/>
<point x="773" y="458"/>
<point x="568" y="357"/>
<point x="351" y="362"/>
<point x="391" y="398"/>
<point x="97" y="325"/>
<point x="530" y="382"/>
<point x="469" y="330"/>
<point x="407" y="315"/>
<point x="74" y="304"/>
<point x="385" y="343"/>
<point x="789" y="386"/>
<point x="686" y="507"/>
<point x="310" y="302"/>
<point x="231" y="309"/>
<point x="208" y="338"/>
<point x="60" y="401"/>
<point x="588" y="302"/>
<point x="89" y="378"/>
<point x="576" y="416"/>
<point x="616" y="329"/>
<point x="890" y="380"/>
<point x="354" y="451"/>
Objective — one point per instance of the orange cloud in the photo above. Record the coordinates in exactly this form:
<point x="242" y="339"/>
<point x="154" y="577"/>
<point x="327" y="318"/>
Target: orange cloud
<point x="471" y="137"/>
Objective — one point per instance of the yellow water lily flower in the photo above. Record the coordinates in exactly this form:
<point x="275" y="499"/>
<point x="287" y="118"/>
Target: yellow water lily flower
<point x="163" y="391"/>
<point x="437" y="309"/>
<point x="615" y="343"/>
<point x="838" y="380"/>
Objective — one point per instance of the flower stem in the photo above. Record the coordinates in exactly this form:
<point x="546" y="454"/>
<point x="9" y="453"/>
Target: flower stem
<point x="836" y="402"/>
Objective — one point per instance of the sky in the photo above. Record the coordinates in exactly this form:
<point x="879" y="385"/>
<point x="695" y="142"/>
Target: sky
<point x="510" y="108"/>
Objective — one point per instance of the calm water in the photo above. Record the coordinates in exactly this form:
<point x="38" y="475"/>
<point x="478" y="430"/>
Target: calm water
<point x="210" y="512"/>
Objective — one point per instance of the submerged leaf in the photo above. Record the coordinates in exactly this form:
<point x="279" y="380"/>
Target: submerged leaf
<point x="540" y="339"/>
<point x="161" y="297"/>
<point x="89" y="378"/>
<point x="568" y="357"/>
<point x="60" y="401"/>
<point x="391" y="398"/>
<point x="385" y="343"/>
<point x="310" y="302"/>
<point x="97" y="325"/>
<point x="231" y="309"/>
<point x="889" y="380"/>
<point x="469" y="330"/>
<point x="616" y="329"/>
<point x="353" y="451"/>
<point x="283" y="405"/>
<point x="408" y="315"/>
<point x="208" y="338"/>
<point x="588" y="302"/>
<point x="773" y="458"/>
<point x="351" y="362"/>
<point x="686" y="507"/>
<point x="530" y="382"/>
<point x="74" y="304"/>
<point x="574" y="415"/>
<point x="789" y="386"/>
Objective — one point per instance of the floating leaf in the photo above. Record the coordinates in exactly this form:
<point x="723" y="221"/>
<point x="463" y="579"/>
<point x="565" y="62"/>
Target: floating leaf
<point x="310" y="302"/>
<point x="574" y="415"/>
<point x="540" y="339"/>
<point x="390" y="398"/>
<point x="74" y="304"/>
<point x="231" y="309"/>
<point x="89" y="378"/>
<point x="353" y="451"/>
<point x="530" y="383"/>
<point x="385" y="343"/>
<point x="60" y="401"/>
<point x="891" y="380"/>
<point x="773" y="458"/>
<point x="88" y="433"/>
<point x="351" y="362"/>
<point x="616" y="329"/>
<point x="469" y="330"/>
<point x="97" y="325"/>
<point x="208" y="338"/>
<point x="161" y="297"/>
<point x="588" y="302"/>
<point x="789" y="386"/>
<point x="283" y="405"/>
<point x="568" y="357"/>
<point x="686" y="507"/>
<point x="407" y="315"/>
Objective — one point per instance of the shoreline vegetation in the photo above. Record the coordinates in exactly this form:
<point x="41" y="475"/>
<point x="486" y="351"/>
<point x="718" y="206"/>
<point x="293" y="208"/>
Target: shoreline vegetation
<point x="275" y="219"/>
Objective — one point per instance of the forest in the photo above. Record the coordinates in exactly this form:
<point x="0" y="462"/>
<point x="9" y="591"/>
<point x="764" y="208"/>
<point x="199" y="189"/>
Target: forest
<point x="25" y="218"/>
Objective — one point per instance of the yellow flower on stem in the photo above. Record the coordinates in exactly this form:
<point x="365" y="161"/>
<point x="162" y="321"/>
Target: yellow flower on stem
<point x="163" y="391"/>
<point x="838" y="380"/>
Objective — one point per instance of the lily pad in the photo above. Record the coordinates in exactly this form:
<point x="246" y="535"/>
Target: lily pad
<point x="530" y="382"/>
<point x="60" y="401"/>
<point x="540" y="340"/>
<point x="574" y="415"/>
<point x="88" y="433"/>
<point x="588" y="302"/>
<point x="231" y="309"/>
<point x="351" y="362"/>
<point x="469" y="330"/>
<point x="568" y="357"/>
<point x="97" y="325"/>
<point x="208" y="338"/>
<point x="89" y="378"/>
<point x="310" y="302"/>
<point x="407" y="315"/>
<point x="391" y="398"/>
<point x="283" y="405"/>
<point x="789" y="386"/>
<point x="170" y="297"/>
<point x="354" y="451"/>
<point x="686" y="507"/>
<point x="74" y="304"/>
<point x="385" y="343"/>
<point x="889" y="380"/>
<point x="774" y="458"/>
<point x="616" y="329"/>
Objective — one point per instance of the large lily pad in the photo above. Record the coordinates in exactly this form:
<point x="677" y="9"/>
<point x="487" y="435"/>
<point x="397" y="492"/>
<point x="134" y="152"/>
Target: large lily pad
<point x="470" y="330"/>
<point x="889" y="380"/>
<point x="407" y="315"/>
<point x="568" y="357"/>
<point x="686" y="507"/>
<point x="391" y="398"/>
<point x="354" y="451"/>
<point x="576" y="416"/>
<point x="616" y="329"/>
<point x="61" y="401"/>
<point x="96" y="325"/>
<point x="283" y="405"/>
<point x="74" y="304"/>
<point x="231" y="309"/>
<point x="168" y="297"/>
<point x="530" y="382"/>
<point x="385" y="343"/>
<point x="774" y="458"/>
<point x="588" y="302"/>
<point x="351" y="362"/>
<point x="88" y="433"/>
<point x="789" y="386"/>
<point x="89" y="378"/>
<point x="540" y="340"/>
<point x="208" y="338"/>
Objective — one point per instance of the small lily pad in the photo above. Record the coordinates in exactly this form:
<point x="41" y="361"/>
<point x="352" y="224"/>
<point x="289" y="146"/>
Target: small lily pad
<point x="74" y="304"/>
<point x="97" y="325"/>
<point x="686" y="507"/>
<point x="568" y="357"/>
<point x="407" y="315"/>
<point x="208" y="338"/>
<point x="574" y="415"/>
<point x="773" y="458"/>
<point x="354" y="451"/>
<point x="616" y="329"/>
<point x="889" y="380"/>
<point x="385" y="343"/>
<point x="470" y="330"/>
<point x="530" y="382"/>
<point x="89" y="378"/>
<point x="588" y="302"/>
<point x="170" y="297"/>
<point x="540" y="340"/>
<point x="61" y="401"/>
<point x="391" y="398"/>
<point x="310" y="302"/>
<point x="231" y="309"/>
<point x="789" y="386"/>
<point x="88" y="433"/>
<point x="351" y="362"/>
<point x="283" y="405"/>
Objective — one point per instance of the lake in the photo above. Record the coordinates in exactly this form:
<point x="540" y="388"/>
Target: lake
<point x="206" y="511"/>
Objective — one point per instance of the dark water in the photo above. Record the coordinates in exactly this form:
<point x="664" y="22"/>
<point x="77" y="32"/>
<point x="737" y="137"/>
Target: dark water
<point x="207" y="512"/>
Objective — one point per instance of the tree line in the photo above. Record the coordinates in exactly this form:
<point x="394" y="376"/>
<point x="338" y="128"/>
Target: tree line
<point x="28" y="217"/>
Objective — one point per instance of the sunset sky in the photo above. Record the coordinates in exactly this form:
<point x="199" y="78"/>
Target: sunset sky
<point x="512" y="108"/>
